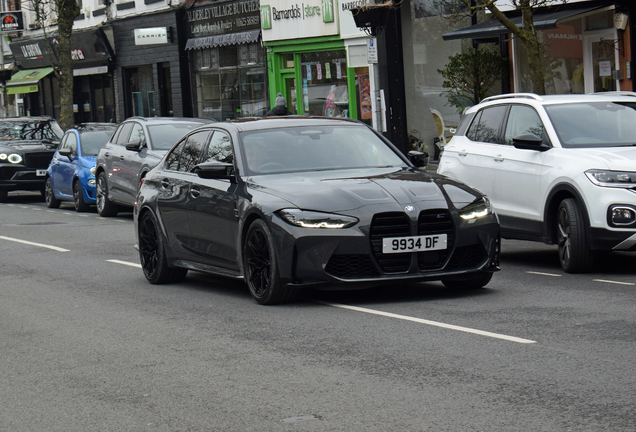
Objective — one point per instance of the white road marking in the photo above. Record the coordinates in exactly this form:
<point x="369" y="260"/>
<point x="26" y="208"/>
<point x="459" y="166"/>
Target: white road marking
<point x="544" y="274"/>
<point x="52" y="211"/>
<point x="613" y="282"/>
<point x="432" y="323"/>
<point x="55" y="248"/>
<point x="125" y="263"/>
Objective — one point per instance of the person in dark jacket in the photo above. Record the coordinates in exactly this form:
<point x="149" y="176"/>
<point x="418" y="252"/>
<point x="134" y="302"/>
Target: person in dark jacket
<point x="280" y="109"/>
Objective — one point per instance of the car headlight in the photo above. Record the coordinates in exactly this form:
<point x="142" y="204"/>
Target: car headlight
<point x="477" y="209"/>
<point x="616" y="179"/>
<point x="313" y="219"/>
<point x="92" y="170"/>
<point x="14" y="158"/>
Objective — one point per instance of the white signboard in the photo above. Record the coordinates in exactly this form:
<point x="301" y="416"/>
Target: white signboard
<point x="287" y="19"/>
<point x="507" y="5"/>
<point x="605" y="68"/>
<point x="348" y="28"/>
<point x="372" y="50"/>
<point x="151" y="36"/>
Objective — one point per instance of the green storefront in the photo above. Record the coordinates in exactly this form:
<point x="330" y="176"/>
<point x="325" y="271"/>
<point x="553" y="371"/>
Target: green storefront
<point x="306" y="59"/>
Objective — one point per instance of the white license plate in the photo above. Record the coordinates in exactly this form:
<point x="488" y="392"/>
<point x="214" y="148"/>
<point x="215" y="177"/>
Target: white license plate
<point x="40" y="173"/>
<point x="414" y="243"/>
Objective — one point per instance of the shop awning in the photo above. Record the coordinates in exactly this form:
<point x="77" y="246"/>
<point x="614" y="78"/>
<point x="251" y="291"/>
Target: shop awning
<point x="542" y="20"/>
<point x="223" y="40"/>
<point x="26" y="81"/>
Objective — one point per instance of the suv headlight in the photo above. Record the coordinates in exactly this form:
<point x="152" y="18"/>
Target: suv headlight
<point x="313" y="219"/>
<point x="14" y="158"/>
<point x="615" y="179"/>
<point x="477" y="209"/>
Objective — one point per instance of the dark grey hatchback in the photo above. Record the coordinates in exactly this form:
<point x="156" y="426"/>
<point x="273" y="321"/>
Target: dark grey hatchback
<point x="286" y="203"/>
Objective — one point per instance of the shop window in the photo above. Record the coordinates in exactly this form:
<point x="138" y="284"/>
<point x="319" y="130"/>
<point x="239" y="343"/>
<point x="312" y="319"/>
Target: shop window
<point x="288" y="61"/>
<point x="600" y="21"/>
<point x="228" y="56"/>
<point x="253" y="92"/>
<point x="324" y="86"/>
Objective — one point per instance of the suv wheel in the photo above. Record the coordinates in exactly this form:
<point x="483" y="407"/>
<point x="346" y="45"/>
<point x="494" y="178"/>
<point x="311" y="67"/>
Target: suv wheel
<point x="574" y="252"/>
<point x="105" y="207"/>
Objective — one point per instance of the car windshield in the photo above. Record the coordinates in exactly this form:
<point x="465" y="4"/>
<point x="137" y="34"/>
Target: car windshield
<point x="30" y="130"/>
<point x="163" y="137"/>
<point x="93" y="141"/>
<point x="594" y="124"/>
<point x="310" y="148"/>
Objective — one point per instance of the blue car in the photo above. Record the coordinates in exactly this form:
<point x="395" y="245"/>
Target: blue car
<point x="70" y="176"/>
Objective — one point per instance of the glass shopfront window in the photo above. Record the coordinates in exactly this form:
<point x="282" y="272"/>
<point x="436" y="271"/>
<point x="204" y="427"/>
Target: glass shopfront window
<point x="324" y="86"/>
<point x="229" y="82"/>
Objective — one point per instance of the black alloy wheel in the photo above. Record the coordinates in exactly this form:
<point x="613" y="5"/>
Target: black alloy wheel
<point x="78" y="197"/>
<point x="49" y="196"/>
<point x="474" y="281"/>
<point x="574" y="252"/>
<point x="105" y="207"/>
<point x="152" y="254"/>
<point x="261" y="266"/>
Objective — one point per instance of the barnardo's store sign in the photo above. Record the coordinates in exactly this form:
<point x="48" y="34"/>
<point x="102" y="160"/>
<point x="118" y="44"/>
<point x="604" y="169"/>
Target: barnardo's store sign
<point x="285" y="19"/>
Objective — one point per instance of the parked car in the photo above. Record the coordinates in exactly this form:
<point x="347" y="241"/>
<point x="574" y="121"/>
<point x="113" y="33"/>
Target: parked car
<point x="557" y="169"/>
<point x="70" y="176"/>
<point x="286" y="203"/>
<point x="27" y="145"/>
<point x="135" y="148"/>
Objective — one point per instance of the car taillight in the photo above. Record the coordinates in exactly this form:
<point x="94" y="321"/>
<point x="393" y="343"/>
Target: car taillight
<point x="141" y="181"/>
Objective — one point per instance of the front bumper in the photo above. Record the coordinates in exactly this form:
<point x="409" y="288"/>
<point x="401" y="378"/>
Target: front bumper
<point x="603" y="236"/>
<point x="18" y="177"/>
<point x="346" y="257"/>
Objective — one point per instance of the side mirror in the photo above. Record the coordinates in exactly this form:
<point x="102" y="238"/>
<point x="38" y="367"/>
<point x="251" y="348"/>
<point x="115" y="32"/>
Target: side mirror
<point x="134" y="146"/>
<point x="418" y="158"/>
<point x="66" y="152"/>
<point x="529" y="142"/>
<point x="215" y="170"/>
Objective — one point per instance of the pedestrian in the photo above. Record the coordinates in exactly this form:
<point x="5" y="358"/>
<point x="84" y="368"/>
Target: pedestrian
<point x="280" y="108"/>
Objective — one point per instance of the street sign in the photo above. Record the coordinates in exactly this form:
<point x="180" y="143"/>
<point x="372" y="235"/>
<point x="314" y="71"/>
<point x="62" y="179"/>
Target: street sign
<point x="372" y="50"/>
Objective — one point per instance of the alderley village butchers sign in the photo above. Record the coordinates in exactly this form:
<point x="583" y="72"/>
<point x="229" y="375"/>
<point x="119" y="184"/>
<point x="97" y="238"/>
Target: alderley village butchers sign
<point x="223" y="18"/>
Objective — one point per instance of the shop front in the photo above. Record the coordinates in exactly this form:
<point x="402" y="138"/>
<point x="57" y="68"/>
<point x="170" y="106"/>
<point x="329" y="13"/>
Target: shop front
<point x="36" y="88"/>
<point x="227" y="64"/>
<point x="307" y="60"/>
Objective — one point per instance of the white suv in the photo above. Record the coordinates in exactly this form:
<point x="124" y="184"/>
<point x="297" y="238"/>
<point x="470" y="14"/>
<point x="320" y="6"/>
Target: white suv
<point x="558" y="169"/>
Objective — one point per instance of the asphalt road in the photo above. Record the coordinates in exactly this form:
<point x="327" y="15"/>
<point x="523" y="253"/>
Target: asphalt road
<point x="87" y="344"/>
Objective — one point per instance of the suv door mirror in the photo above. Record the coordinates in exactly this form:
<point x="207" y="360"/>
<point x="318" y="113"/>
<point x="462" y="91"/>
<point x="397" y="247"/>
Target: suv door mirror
<point x="215" y="170"/>
<point x="418" y="158"/>
<point x="529" y="142"/>
<point x="134" y="146"/>
<point x="66" y="152"/>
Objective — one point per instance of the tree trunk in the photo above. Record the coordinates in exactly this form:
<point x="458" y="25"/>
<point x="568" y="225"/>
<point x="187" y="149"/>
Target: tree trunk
<point x="68" y="11"/>
<point x="534" y="50"/>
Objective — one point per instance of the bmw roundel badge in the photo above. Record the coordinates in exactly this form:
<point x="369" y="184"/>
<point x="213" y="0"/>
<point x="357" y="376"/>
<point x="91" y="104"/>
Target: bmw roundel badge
<point x="409" y="209"/>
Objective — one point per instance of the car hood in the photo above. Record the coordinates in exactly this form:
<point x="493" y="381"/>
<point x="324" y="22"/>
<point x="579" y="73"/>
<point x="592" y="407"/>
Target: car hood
<point x="27" y="145"/>
<point x="339" y="191"/>
<point x="88" y="161"/>
<point x="615" y="158"/>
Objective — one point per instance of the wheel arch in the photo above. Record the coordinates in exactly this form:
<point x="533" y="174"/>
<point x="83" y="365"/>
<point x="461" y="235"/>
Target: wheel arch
<point x="557" y="194"/>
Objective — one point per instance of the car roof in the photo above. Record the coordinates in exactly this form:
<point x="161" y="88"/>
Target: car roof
<point x="27" y="119"/>
<point x="87" y="127"/>
<point x="532" y="98"/>
<point x="164" y="120"/>
<point x="261" y="123"/>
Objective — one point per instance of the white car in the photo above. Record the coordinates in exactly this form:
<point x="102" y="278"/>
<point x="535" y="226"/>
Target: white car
<point x="558" y="169"/>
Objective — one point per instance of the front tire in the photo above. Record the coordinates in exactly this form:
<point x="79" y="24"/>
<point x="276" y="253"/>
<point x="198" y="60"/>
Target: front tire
<point x="152" y="254"/>
<point x="474" y="281"/>
<point x="78" y="197"/>
<point x="574" y="252"/>
<point x="105" y="207"/>
<point x="49" y="196"/>
<point x="261" y="266"/>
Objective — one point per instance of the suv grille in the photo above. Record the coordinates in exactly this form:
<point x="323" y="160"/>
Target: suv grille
<point x="390" y="225"/>
<point x="39" y="160"/>
<point x="435" y="222"/>
<point x="351" y="267"/>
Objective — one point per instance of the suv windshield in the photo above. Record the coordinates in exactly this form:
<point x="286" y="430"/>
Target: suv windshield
<point x="163" y="137"/>
<point x="30" y="130"/>
<point x="315" y="148"/>
<point x="594" y="124"/>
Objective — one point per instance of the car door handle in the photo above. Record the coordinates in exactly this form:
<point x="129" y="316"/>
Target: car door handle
<point x="462" y="153"/>
<point x="165" y="183"/>
<point x="499" y="158"/>
<point x="106" y="154"/>
<point x="195" y="192"/>
<point x="122" y="157"/>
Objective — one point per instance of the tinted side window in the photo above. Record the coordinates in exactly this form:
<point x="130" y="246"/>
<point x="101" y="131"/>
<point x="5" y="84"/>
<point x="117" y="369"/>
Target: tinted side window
<point x="137" y="134"/>
<point x="65" y="141"/>
<point x="192" y="151"/>
<point x="172" y="162"/>
<point x="220" y="148"/>
<point x="523" y="120"/>
<point x="485" y="127"/>
<point x="72" y="143"/>
<point x="124" y="133"/>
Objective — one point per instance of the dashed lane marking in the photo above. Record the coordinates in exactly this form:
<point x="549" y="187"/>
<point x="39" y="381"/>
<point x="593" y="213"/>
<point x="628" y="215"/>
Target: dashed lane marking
<point x="55" y="248"/>
<point x="125" y="263"/>
<point x="544" y="274"/>
<point x="432" y="323"/>
<point x="613" y="282"/>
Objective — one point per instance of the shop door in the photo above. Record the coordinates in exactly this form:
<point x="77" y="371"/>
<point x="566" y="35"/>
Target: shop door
<point x="600" y="60"/>
<point x="290" y="93"/>
<point x="140" y="92"/>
